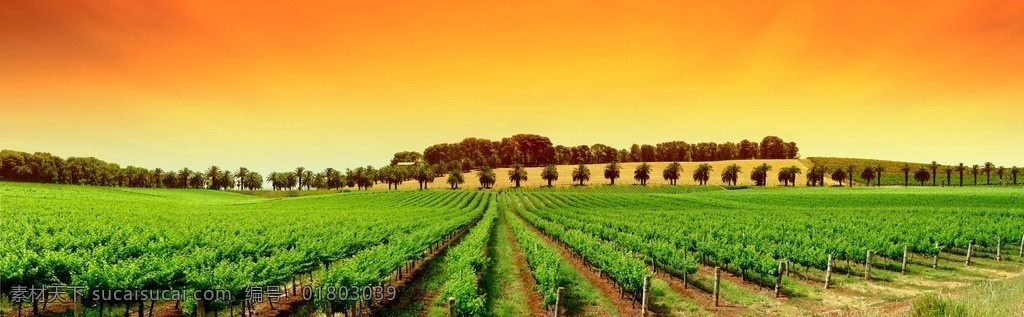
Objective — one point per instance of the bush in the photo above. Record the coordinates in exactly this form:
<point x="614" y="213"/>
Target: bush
<point x="932" y="305"/>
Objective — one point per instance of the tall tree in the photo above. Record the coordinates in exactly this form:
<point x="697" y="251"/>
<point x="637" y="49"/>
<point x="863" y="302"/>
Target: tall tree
<point x="935" y="171"/>
<point x="300" y="172"/>
<point x="517" y="174"/>
<point x="455" y="179"/>
<point x="960" y="168"/>
<point x="423" y="175"/>
<point x="839" y="175"/>
<point x="581" y="174"/>
<point x="550" y="174"/>
<point x="1000" y="172"/>
<point x="760" y="174"/>
<point x="974" y="171"/>
<point x="949" y="175"/>
<point x="787" y="175"/>
<point x="922" y="175"/>
<point x="242" y="174"/>
<point x="611" y="171"/>
<point x="731" y="174"/>
<point x="879" y="169"/>
<point x="906" y="174"/>
<point x="158" y="177"/>
<point x="672" y="172"/>
<point x="212" y="174"/>
<point x="702" y="173"/>
<point x="849" y="171"/>
<point x="642" y="173"/>
<point x="307" y="178"/>
<point x="487" y="177"/>
<point x="988" y="172"/>
<point x="867" y="175"/>
<point x="1014" y="171"/>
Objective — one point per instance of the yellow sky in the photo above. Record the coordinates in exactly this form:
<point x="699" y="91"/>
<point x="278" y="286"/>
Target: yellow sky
<point x="275" y="84"/>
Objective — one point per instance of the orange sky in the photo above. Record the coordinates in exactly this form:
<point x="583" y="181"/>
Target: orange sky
<point x="275" y="84"/>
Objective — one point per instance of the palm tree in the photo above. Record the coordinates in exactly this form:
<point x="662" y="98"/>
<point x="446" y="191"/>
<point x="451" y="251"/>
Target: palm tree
<point x="300" y="172"/>
<point x="839" y="175"/>
<point x="974" y="171"/>
<point x="1014" y="171"/>
<point x="1000" y="172"/>
<point x="787" y="175"/>
<point x="158" y="176"/>
<point x="760" y="174"/>
<point x="949" y="175"/>
<point x="550" y="173"/>
<point x="307" y="178"/>
<point x="849" y="172"/>
<point x="242" y="174"/>
<point x="960" y="168"/>
<point x="935" y="171"/>
<point x="879" y="169"/>
<point x="611" y="171"/>
<point x="581" y="174"/>
<point x="487" y="177"/>
<point x="423" y="175"/>
<point x="988" y="172"/>
<point x="731" y="174"/>
<point x="922" y="175"/>
<point x="455" y="179"/>
<point x="226" y="180"/>
<point x="816" y="175"/>
<point x="642" y="173"/>
<point x="906" y="174"/>
<point x="702" y="174"/>
<point x="672" y="172"/>
<point x="184" y="174"/>
<point x="517" y="174"/>
<point x="867" y="175"/>
<point x="213" y="173"/>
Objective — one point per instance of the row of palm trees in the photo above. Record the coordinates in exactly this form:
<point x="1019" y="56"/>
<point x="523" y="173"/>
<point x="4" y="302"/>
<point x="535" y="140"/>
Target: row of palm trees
<point x="922" y="174"/>
<point x="643" y="172"/>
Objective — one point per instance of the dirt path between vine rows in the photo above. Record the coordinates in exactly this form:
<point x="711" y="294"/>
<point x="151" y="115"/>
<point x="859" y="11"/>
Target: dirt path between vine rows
<point x="607" y="287"/>
<point x="535" y="302"/>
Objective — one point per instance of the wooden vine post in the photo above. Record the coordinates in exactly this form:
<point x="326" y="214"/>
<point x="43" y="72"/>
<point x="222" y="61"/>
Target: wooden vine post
<point x="828" y="271"/>
<point x="999" y="249"/>
<point x="643" y="300"/>
<point x="903" y="269"/>
<point x="778" y="280"/>
<point x="935" y="261"/>
<point x="558" y="299"/>
<point x="1021" y="246"/>
<point x="867" y="266"/>
<point x="451" y="306"/>
<point x="201" y="308"/>
<point x="78" y="306"/>
<point x="717" y="281"/>
<point x="970" y="248"/>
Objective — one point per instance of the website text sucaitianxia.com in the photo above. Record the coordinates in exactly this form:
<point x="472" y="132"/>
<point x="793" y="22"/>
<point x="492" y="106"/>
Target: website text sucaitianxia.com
<point x="64" y="293"/>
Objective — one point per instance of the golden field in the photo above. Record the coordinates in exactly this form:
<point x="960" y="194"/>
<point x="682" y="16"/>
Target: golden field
<point x="626" y="175"/>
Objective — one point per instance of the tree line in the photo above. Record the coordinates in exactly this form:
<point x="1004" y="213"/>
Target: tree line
<point x="536" y="150"/>
<point x="934" y="172"/>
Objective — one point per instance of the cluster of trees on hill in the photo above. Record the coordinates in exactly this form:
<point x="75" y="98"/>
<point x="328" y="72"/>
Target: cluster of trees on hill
<point x="535" y="150"/>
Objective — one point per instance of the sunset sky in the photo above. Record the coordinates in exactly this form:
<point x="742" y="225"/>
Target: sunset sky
<point x="276" y="84"/>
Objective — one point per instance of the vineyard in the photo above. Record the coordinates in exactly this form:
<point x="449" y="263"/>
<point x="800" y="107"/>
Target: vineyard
<point x="590" y="250"/>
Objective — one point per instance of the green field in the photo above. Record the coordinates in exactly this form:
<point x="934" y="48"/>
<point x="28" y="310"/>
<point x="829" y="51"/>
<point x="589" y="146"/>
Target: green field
<point x="503" y="253"/>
